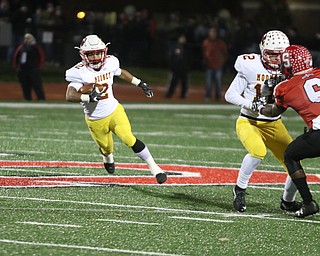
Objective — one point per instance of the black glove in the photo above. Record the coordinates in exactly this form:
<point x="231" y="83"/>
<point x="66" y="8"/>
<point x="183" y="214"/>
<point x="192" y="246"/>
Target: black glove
<point x="258" y="103"/>
<point x="272" y="82"/>
<point x="146" y="89"/>
<point x="96" y="95"/>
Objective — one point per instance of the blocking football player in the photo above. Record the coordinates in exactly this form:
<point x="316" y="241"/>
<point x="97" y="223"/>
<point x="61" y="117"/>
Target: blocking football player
<point x="104" y="115"/>
<point x="301" y="93"/>
<point x="255" y="131"/>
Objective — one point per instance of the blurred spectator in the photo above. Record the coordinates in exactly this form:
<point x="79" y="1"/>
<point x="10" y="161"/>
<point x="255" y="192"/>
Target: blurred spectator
<point x="215" y="55"/>
<point x="28" y="59"/>
<point x="151" y="29"/>
<point x="247" y="37"/>
<point x="48" y="22"/>
<point x="5" y="10"/>
<point x="5" y="30"/>
<point x="59" y="36"/>
<point x="138" y="40"/>
<point x="180" y="66"/>
<point x="172" y="29"/>
<point x="22" y="22"/>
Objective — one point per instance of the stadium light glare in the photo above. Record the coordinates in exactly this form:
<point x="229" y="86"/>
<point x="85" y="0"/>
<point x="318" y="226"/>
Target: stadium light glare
<point x="81" y="15"/>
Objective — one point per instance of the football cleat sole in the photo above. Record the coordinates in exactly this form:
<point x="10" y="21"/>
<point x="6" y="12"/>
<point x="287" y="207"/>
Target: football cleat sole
<point x="110" y="168"/>
<point x="161" y="177"/>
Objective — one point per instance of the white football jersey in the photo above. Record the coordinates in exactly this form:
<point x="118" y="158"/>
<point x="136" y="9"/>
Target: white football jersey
<point x="79" y="75"/>
<point x="248" y="83"/>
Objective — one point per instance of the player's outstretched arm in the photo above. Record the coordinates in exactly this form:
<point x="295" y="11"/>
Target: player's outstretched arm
<point x="127" y="76"/>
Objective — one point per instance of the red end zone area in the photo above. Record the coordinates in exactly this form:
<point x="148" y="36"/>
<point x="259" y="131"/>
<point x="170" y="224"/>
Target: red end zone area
<point x="178" y="175"/>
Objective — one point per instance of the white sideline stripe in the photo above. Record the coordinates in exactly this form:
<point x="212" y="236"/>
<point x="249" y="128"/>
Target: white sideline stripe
<point x="127" y="106"/>
<point x="48" y="224"/>
<point x="263" y="216"/>
<point x="86" y="247"/>
<point x="152" y="106"/>
<point x="130" y="222"/>
<point x="200" y="219"/>
<point x="17" y="169"/>
<point x="90" y="142"/>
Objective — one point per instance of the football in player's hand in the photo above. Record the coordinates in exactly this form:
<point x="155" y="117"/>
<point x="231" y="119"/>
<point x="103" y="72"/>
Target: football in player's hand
<point x="87" y="88"/>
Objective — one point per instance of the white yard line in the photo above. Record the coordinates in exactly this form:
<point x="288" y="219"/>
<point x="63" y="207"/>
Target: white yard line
<point x="127" y="106"/>
<point x="81" y="247"/>
<point x="48" y="224"/>
<point x="17" y="169"/>
<point x="150" y="106"/>
<point x="130" y="222"/>
<point x="199" y="219"/>
<point x="261" y="216"/>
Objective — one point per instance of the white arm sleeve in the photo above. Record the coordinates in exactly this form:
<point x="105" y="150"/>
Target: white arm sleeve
<point x="235" y="91"/>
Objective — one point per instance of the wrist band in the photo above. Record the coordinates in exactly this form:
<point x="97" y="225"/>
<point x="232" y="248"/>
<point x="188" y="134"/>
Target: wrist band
<point x="135" y="81"/>
<point x="85" y="98"/>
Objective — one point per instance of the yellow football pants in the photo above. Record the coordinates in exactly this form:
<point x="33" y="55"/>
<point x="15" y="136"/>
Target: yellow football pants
<point x="257" y="136"/>
<point x="117" y="123"/>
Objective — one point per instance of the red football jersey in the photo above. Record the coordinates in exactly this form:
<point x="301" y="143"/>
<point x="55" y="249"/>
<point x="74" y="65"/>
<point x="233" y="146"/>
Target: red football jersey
<point x="302" y="93"/>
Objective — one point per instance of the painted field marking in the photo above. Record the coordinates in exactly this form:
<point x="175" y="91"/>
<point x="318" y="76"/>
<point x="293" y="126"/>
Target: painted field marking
<point x="130" y="222"/>
<point x="199" y="219"/>
<point x="83" y="247"/>
<point x="48" y="224"/>
<point x="165" y="210"/>
<point x="178" y="175"/>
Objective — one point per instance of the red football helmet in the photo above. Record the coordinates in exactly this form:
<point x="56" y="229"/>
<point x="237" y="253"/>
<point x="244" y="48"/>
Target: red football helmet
<point x="296" y="60"/>
<point x="92" y="44"/>
<point x="272" y="44"/>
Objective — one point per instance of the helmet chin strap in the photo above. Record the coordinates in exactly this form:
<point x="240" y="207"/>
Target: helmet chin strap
<point x="267" y="66"/>
<point x="268" y="63"/>
<point x="95" y="64"/>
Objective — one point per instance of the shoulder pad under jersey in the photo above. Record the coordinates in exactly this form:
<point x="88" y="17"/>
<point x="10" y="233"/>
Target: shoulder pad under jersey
<point x="112" y="63"/>
<point x="74" y="74"/>
<point x="248" y="63"/>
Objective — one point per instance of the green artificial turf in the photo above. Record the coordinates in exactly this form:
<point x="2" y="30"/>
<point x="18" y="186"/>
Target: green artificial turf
<point x="142" y="219"/>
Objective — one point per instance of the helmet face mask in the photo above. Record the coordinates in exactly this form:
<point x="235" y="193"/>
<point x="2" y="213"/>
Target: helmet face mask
<point x="93" y="52"/>
<point x="296" y="60"/>
<point x="272" y="44"/>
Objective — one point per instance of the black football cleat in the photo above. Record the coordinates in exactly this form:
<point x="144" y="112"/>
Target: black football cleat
<point x="109" y="167"/>
<point x="161" y="177"/>
<point x="239" y="200"/>
<point x="307" y="209"/>
<point x="290" y="206"/>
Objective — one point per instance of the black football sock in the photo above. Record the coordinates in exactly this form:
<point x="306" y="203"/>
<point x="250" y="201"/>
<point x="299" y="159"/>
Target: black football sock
<point x="302" y="186"/>
<point x="237" y="188"/>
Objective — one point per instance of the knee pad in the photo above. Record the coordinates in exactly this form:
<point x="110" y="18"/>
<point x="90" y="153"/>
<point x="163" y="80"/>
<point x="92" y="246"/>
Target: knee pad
<point x="128" y="139"/>
<point x="258" y="151"/>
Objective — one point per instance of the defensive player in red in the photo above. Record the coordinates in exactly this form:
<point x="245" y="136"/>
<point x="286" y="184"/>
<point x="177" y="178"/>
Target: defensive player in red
<point x="302" y="93"/>
<point x="257" y="132"/>
<point x="104" y="115"/>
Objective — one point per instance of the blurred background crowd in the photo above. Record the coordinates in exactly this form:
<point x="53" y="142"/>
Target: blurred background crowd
<point x="142" y="33"/>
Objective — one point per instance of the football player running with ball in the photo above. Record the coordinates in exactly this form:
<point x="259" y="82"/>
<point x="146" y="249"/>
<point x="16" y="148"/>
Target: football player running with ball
<point x="301" y="93"/>
<point x="255" y="131"/>
<point x="90" y="83"/>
